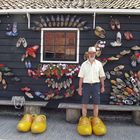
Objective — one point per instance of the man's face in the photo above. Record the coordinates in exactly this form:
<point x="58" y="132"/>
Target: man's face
<point x="91" y="54"/>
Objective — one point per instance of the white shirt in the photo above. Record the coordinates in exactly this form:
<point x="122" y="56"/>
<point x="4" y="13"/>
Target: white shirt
<point x="91" y="73"/>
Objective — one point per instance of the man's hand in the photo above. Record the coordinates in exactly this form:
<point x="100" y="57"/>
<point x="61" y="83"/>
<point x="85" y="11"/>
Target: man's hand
<point x="80" y="91"/>
<point x="102" y="89"/>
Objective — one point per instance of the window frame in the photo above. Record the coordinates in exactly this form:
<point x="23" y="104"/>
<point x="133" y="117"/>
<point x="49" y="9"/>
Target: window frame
<point x="59" y="29"/>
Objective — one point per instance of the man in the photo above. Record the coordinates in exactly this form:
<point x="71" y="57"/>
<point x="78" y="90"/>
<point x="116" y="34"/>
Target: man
<point x="91" y="82"/>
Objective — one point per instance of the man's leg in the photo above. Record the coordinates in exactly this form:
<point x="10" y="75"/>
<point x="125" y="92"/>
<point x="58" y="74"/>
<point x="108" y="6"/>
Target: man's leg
<point x="85" y="99"/>
<point x="84" y="110"/>
<point x="95" y="110"/>
<point x="96" y="99"/>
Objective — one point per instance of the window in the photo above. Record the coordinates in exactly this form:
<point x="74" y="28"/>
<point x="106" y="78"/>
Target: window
<point x="60" y="45"/>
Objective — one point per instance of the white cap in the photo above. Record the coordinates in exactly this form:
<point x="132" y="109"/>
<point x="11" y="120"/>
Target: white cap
<point x="92" y="49"/>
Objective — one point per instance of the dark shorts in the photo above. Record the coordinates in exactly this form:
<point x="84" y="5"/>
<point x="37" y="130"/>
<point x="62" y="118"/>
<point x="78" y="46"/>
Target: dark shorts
<point x="91" y="91"/>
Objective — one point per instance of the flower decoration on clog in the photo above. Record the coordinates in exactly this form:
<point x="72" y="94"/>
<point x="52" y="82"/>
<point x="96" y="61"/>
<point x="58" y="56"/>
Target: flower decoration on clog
<point x="27" y="92"/>
<point x="137" y="54"/>
<point x="135" y="59"/>
<point x="100" y="44"/>
<point x="25" y="89"/>
<point x="59" y="70"/>
<point x="32" y="51"/>
<point x="69" y="92"/>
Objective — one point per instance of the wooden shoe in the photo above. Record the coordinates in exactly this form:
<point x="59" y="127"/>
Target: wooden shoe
<point x="84" y="126"/>
<point x="127" y="102"/>
<point x="8" y="73"/>
<point x="37" y="23"/>
<point x="138" y="74"/>
<point x="0" y="76"/>
<point x="107" y="75"/>
<point x="117" y="23"/>
<point x="25" y="123"/>
<point x="15" y="79"/>
<point x="98" y="126"/>
<point x="43" y="22"/>
<point x="104" y="62"/>
<point x="135" y="48"/>
<point x="115" y="44"/>
<point x="29" y="95"/>
<point x="128" y="83"/>
<point x="126" y="75"/>
<point x="4" y="84"/>
<point x="5" y="69"/>
<point x="40" y="94"/>
<point x="18" y="44"/>
<point x="32" y="51"/>
<point x="100" y="32"/>
<point x="125" y="52"/>
<point x="112" y="58"/>
<point x="100" y="44"/>
<point x="112" y="24"/>
<point x="118" y="68"/>
<point x="39" y="124"/>
<point x="98" y="53"/>
<point x="24" y="42"/>
<point x="113" y="82"/>
<point x="120" y="82"/>
<point x="128" y="35"/>
<point x="116" y="73"/>
<point x="13" y="32"/>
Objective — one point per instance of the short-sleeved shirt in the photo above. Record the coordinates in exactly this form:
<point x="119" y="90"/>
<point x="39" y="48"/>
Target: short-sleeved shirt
<point x="91" y="73"/>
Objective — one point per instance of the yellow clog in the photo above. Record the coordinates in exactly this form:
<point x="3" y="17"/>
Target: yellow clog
<point x="25" y="123"/>
<point x="84" y="126"/>
<point x="98" y="126"/>
<point x="39" y="124"/>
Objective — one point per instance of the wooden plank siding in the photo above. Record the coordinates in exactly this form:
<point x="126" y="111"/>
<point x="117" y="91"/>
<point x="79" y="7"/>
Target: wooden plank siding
<point x="11" y="56"/>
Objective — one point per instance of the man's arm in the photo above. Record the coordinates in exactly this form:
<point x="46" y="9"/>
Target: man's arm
<point x="102" y="84"/>
<point x="80" y="86"/>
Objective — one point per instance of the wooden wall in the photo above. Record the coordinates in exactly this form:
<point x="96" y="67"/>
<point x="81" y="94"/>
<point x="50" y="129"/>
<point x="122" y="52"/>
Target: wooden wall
<point x="11" y="56"/>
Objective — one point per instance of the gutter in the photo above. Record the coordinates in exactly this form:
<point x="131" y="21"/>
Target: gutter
<point x="70" y="11"/>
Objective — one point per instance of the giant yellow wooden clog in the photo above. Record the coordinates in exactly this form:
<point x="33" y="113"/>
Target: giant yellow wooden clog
<point x="98" y="126"/>
<point x="39" y="124"/>
<point x="25" y="123"/>
<point x="84" y="126"/>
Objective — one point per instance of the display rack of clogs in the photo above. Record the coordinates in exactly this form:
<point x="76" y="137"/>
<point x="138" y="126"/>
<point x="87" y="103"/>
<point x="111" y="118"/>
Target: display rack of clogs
<point x="124" y="91"/>
<point x="57" y="21"/>
<point x="59" y="77"/>
<point x="5" y="74"/>
<point x="53" y="73"/>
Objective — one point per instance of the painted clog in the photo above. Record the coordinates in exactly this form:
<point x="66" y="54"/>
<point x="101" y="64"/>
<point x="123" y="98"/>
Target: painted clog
<point x="98" y="126"/>
<point x="84" y="126"/>
<point x="39" y="124"/>
<point x="25" y="123"/>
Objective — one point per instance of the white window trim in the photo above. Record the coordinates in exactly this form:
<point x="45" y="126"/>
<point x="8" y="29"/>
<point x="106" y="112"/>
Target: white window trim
<point x="59" y="29"/>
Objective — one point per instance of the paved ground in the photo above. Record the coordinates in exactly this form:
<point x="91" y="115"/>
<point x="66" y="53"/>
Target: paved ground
<point x="59" y="129"/>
